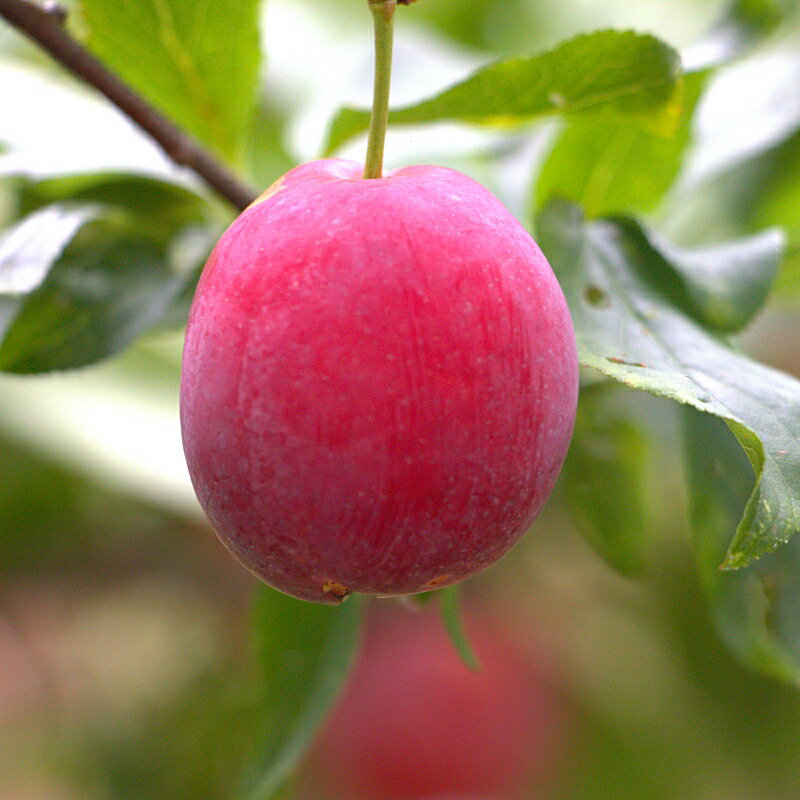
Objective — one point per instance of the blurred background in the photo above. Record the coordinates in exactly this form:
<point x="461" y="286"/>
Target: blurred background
<point x="125" y="644"/>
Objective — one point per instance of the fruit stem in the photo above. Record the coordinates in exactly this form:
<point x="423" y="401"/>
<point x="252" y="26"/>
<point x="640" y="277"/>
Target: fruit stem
<point x="383" y="15"/>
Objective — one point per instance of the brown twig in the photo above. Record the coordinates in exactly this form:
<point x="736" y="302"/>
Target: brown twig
<point x="45" y="25"/>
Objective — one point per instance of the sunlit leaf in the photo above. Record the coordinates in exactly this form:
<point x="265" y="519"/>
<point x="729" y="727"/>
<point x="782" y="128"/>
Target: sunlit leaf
<point x="624" y="74"/>
<point x="198" y="62"/>
<point x="610" y="166"/>
<point x="634" y="324"/>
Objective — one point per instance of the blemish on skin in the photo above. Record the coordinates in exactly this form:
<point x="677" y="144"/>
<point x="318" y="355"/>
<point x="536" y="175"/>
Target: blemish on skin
<point x="616" y="360"/>
<point x="267" y="193"/>
<point x="435" y="583"/>
<point x="336" y="589"/>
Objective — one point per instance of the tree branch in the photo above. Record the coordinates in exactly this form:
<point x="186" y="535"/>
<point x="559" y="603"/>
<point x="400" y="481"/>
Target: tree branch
<point x="45" y="25"/>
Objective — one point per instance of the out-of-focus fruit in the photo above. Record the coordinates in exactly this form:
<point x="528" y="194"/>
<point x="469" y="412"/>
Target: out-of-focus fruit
<point x="414" y="722"/>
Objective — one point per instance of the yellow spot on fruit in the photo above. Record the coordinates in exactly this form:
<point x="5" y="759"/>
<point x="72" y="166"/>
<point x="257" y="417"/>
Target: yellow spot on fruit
<point x="267" y="193"/>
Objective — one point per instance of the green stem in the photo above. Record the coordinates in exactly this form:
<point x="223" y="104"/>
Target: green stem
<point x="383" y="14"/>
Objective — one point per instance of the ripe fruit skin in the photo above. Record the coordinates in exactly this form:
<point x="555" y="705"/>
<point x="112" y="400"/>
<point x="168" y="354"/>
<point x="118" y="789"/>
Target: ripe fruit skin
<point x="379" y="382"/>
<point x="414" y="722"/>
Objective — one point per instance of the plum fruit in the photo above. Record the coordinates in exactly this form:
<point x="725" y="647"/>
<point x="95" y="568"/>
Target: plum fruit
<point x="379" y="382"/>
<point x="415" y="722"/>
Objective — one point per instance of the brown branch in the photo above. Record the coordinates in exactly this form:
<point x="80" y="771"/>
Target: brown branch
<point x="45" y="25"/>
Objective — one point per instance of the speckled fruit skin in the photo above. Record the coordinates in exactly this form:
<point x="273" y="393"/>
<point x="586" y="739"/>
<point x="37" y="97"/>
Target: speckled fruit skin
<point x="379" y="382"/>
<point x="415" y="722"/>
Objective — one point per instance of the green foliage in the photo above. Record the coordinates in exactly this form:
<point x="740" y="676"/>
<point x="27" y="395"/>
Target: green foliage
<point x="624" y="75"/>
<point x="104" y="292"/>
<point x="635" y="323"/>
<point x="756" y="608"/>
<point x="726" y="284"/>
<point x="454" y="622"/>
<point x="90" y="260"/>
<point x="305" y="652"/>
<point x="197" y="62"/>
<point x="607" y="483"/>
<point x="82" y="281"/>
<point x="613" y="167"/>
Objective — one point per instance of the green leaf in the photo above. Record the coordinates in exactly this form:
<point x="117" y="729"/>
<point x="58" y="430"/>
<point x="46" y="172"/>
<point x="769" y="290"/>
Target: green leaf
<point x="305" y="651"/>
<point x="160" y="208"/>
<point x="755" y="609"/>
<point x="633" y="323"/>
<point x="624" y="74"/>
<point x="610" y="166"/>
<point x="454" y="623"/>
<point x="107" y="288"/>
<point x="198" y="62"/>
<point x="606" y="481"/>
<point x="727" y="283"/>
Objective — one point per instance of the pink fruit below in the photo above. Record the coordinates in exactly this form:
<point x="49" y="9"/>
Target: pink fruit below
<point x="414" y="722"/>
<point x="379" y="382"/>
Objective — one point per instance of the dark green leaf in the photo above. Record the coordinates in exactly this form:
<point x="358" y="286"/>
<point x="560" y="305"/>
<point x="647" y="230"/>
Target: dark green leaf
<point x="454" y="622"/>
<point x="624" y="74"/>
<point x="107" y="288"/>
<point x="197" y="62"/>
<point x="607" y="483"/>
<point x="633" y="323"/>
<point x="161" y="208"/>
<point x="756" y="609"/>
<point x="610" y="166"/>
<point x="305" y="651"/>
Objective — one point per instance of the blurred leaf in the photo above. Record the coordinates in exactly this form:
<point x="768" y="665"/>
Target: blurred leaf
<point x="267" y="156"/>
<point x="755" y="609"/>
<point x="749" y="107"/>
<point x="107" y="288"/>
<point x="633" y="324"/>
<point x="305" y="651"/>
<point x="454" y="623"/>
<point x="29" y="249"/>
<point x="727" y="283"/>
<point x="778" y="204"/>
<point x="610" y="166"/>
<point x="741" y="26"/>
<point x="787" y="287"/>
<point x="623" y="74"/>
<point x="161" y="208"/>
<point x="197" y="62"/>
<point x="607" y="483"/>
